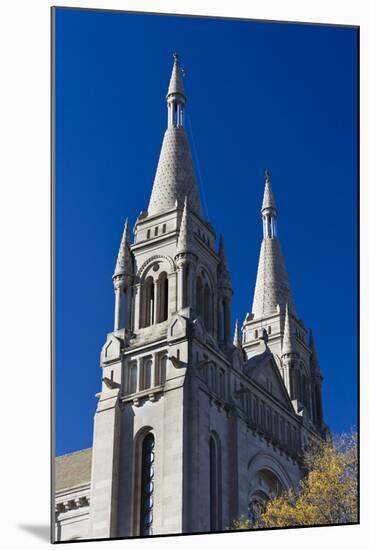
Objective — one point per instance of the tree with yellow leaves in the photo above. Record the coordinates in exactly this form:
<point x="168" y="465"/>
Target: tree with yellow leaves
<point x="327" y="495"/>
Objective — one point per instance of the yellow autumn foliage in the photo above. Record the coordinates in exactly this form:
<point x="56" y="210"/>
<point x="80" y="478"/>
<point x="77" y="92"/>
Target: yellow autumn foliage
<point x="327" y="495"/>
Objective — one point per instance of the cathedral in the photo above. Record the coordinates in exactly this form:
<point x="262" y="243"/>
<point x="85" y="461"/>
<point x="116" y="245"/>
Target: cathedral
<point x="196" y="424"/>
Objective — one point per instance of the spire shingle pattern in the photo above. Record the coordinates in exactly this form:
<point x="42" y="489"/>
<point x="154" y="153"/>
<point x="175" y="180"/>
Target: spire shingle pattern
<point x="272" y="285"/>
<point x="175" y="176"/>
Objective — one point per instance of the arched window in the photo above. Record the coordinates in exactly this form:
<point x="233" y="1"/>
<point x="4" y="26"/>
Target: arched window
<point x="147" y="485"/>
<point x="162" y="298"/>
<point x="199" y="296"/>
<point x="148" y="303"/>
<point x="215" y="484"/>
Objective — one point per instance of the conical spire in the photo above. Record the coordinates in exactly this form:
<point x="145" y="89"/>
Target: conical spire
<point x="237" y="337"/>
<point x="184" y="231"/>
<point x="176" y="81"/>
<point x="287" y="346"/>
<point x="272" y="287"/>
<point x="175" y="175"/>
<point x="268" y="199"/>
<point x="124" y="259"/>
<point x="224" y="275"/>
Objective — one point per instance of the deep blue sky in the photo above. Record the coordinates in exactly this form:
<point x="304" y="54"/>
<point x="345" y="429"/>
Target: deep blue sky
<point x="281" y="96"/>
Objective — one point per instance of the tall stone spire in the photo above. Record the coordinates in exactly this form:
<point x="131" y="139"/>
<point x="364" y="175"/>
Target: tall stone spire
<point x="123" y="266"/>
<point x="272" y="287"/>
<point x="175" y="175"/>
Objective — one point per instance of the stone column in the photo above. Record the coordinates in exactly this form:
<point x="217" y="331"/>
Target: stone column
<point x="291" y="383"/>
<point x="118" y="307"/>
<point x="190" y="286"/>
<point x="127" y="307"/>
<point x="154" y="370"/>
<point x="156" y="302"/>
<point x="180" y="285"/>
<point x="137" y="306"/>
<point x="139" y="373"/>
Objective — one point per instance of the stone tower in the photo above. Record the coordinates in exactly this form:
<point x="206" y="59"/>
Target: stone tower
<point x="274" y="317"/>
<point x="193" y="428"/>
<point x="174" y="291"/>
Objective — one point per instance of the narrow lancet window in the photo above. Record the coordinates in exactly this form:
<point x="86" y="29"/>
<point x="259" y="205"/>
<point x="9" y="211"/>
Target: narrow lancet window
<point x="148" y="303"/>
<point x="162" y="298"/>
<point x="147" y="485"/>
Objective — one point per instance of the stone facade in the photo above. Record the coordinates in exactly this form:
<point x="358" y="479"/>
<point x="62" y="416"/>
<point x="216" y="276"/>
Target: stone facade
<point x="191" y="429"/>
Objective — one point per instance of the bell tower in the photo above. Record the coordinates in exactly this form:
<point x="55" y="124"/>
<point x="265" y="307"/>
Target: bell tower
<point x="172" y="314"/>
<point x="274" y="318"/>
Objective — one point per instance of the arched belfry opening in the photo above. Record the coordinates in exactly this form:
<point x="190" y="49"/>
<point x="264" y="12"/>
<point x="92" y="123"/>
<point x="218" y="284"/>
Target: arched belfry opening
<point x="148" y="303"/>
<point x="162" y="314"/>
